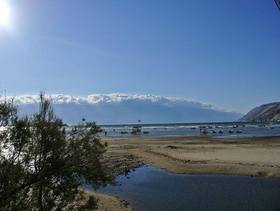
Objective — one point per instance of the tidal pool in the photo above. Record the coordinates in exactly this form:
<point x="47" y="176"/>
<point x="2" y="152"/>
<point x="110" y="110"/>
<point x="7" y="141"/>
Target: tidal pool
<point x="148" y="188"/>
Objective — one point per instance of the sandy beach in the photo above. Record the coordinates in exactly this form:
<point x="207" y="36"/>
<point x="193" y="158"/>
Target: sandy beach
<point x="242" y="156"/>
<point x="111" y="203"/>
<point x="192" y="155"/>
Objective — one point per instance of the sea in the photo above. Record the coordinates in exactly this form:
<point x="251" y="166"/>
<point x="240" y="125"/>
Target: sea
<point x="217" y="129"/>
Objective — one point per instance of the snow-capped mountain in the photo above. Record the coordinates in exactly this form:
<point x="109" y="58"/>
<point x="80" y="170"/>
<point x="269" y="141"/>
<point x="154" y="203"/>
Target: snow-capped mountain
<point x="119" y="108"/>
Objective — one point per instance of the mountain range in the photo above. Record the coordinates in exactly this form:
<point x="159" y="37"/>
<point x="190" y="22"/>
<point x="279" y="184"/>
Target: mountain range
<point x="118" y="108"/>
<point x="265" y="112"/>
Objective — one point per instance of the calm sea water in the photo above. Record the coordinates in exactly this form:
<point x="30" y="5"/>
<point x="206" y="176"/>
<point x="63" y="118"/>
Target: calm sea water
<point x="221" y="130"/>
<point x="152" y="189"/>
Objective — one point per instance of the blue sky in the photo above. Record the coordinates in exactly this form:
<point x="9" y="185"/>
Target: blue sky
<point x="221" y="52"/>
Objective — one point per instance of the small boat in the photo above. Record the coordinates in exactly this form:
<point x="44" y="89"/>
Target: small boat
<point x="136" y="130"/>
<point x="204" y="132"/>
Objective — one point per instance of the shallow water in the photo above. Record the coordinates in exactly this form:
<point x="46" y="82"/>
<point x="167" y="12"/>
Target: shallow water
<point x="149" y="188"/>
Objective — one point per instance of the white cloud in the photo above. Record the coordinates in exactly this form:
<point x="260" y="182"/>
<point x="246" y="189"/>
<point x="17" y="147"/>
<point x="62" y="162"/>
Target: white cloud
<point x="100" y="98"/>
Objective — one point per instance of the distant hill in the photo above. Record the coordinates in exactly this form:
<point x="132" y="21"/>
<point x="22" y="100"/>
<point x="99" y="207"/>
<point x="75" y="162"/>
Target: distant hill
<point x="126" y="108"/>
<point x="266" y="112"/>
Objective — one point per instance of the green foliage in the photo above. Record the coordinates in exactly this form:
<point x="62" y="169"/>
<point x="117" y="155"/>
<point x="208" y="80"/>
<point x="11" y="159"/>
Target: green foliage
<point x="42" y="166"/>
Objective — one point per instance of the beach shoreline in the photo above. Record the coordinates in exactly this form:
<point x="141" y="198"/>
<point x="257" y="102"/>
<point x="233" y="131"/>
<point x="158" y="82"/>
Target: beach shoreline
<point x="255" y="157"/>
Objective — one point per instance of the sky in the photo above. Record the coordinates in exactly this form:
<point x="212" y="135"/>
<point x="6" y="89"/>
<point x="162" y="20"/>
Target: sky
<point x="221" y="52"/>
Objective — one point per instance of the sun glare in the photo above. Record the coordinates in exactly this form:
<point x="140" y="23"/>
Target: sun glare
<point x="4" y="14"/>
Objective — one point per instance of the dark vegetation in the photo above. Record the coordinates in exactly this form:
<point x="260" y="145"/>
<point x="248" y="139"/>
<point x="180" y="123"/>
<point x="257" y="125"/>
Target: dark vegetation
<point x="42" y="167"/>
